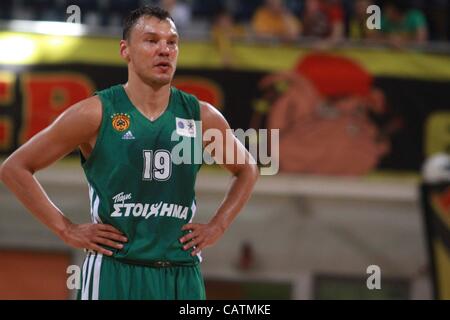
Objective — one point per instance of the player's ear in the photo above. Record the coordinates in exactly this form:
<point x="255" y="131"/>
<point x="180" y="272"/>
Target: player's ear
<point x="124" y="50"/>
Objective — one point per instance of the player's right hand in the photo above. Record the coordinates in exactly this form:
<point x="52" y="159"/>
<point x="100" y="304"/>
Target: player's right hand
<point x="91" y="235"/>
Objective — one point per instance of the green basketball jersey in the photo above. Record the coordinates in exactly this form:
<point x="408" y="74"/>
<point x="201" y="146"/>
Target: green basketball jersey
<point x="134" y="184"/>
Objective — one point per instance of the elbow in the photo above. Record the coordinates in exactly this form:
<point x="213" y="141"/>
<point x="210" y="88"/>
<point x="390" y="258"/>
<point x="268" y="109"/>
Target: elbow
<point x="253" y="172"/>
<point x="248" y="172"/>
<point x="7" y="170"/>
<point x="4" y="170"/>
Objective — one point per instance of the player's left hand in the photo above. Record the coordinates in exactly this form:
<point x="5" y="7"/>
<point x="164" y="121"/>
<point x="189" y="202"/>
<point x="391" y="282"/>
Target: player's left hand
<point x="201" y="236"/>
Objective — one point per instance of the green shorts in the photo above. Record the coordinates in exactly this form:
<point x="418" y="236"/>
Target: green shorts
<point x="107" y="278"/>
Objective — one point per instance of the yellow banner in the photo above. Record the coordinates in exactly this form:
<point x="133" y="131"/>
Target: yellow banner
<point x="27" y="48"/>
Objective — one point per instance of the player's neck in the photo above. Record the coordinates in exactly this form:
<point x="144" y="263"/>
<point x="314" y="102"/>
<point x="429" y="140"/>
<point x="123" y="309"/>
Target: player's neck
<point x="150" y="100"/>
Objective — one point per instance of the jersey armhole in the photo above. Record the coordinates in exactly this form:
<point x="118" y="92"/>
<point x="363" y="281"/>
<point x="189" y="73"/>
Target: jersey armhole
<point x="87" y="163"/>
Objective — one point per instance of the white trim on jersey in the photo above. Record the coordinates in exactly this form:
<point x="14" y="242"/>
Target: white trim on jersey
<point x="94" y="204"/>
<point x="85" y="290"/>
<point x="97" y="269"/>
<point x="95" y="208"/>
<point x="91" y="195"/>
<point x="83" y="279"/>
<point x="193" y="209"/>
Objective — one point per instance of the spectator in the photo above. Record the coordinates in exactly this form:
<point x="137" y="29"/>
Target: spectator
<point x="180" y="12"/>
<point x="223" y="32"/>
<point x="401" y="25"/>
<point x="273" y="19"/>
<point x="323" y="19"/>
<point x="358" y="23"/>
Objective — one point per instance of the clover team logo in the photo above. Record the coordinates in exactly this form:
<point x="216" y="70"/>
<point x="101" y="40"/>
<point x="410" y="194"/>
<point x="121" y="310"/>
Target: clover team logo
<point x="120" y="121"/>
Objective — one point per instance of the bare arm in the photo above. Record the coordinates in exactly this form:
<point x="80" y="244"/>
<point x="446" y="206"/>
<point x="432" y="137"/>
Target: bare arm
<point x="242" y="183"/>
<point x="77" y="126"/>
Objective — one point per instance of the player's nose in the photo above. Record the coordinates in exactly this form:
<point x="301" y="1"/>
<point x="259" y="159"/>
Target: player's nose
<point x="163" y="48"/>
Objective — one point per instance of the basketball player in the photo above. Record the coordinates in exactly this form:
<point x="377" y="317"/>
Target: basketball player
<point x="142" y="243"/>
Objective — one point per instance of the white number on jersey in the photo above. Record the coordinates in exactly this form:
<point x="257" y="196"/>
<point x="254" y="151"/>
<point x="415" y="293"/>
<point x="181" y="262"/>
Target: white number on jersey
<point x="157" y="165"/>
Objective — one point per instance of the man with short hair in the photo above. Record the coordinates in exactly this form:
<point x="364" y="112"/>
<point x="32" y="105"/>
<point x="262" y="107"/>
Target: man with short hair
<point x="401" y="25"/>
<point x="141" y="243"/>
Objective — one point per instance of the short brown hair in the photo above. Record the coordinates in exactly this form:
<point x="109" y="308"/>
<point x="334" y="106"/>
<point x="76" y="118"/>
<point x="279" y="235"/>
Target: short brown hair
<point x="150" y="11"/>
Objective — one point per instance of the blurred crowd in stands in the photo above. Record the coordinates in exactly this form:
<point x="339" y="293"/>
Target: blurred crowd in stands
<point x="402" y="21"/>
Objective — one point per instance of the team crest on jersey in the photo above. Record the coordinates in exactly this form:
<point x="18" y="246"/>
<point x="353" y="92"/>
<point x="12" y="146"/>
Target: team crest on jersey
<point x="120" y="121"/>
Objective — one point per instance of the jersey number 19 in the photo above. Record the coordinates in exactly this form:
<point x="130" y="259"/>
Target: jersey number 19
<point x="157" y="165"/>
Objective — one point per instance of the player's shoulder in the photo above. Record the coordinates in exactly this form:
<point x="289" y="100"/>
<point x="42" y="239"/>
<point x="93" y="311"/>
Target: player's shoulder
<point x="187" y="103"/>
<point x="86" y="113"/>
<point x="185" y="97"/>
<point x="82" y="118"/>
<point x="210" y="116"/>
<point x="206" y="110"/>
<point x="93" y="106"/>
<point x="110" y="92"/>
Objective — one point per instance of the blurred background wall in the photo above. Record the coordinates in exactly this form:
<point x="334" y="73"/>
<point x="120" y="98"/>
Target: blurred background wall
<point x="359" y="112"/>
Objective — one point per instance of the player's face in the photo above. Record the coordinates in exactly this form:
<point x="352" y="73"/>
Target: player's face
<point x="153" y="50"/>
